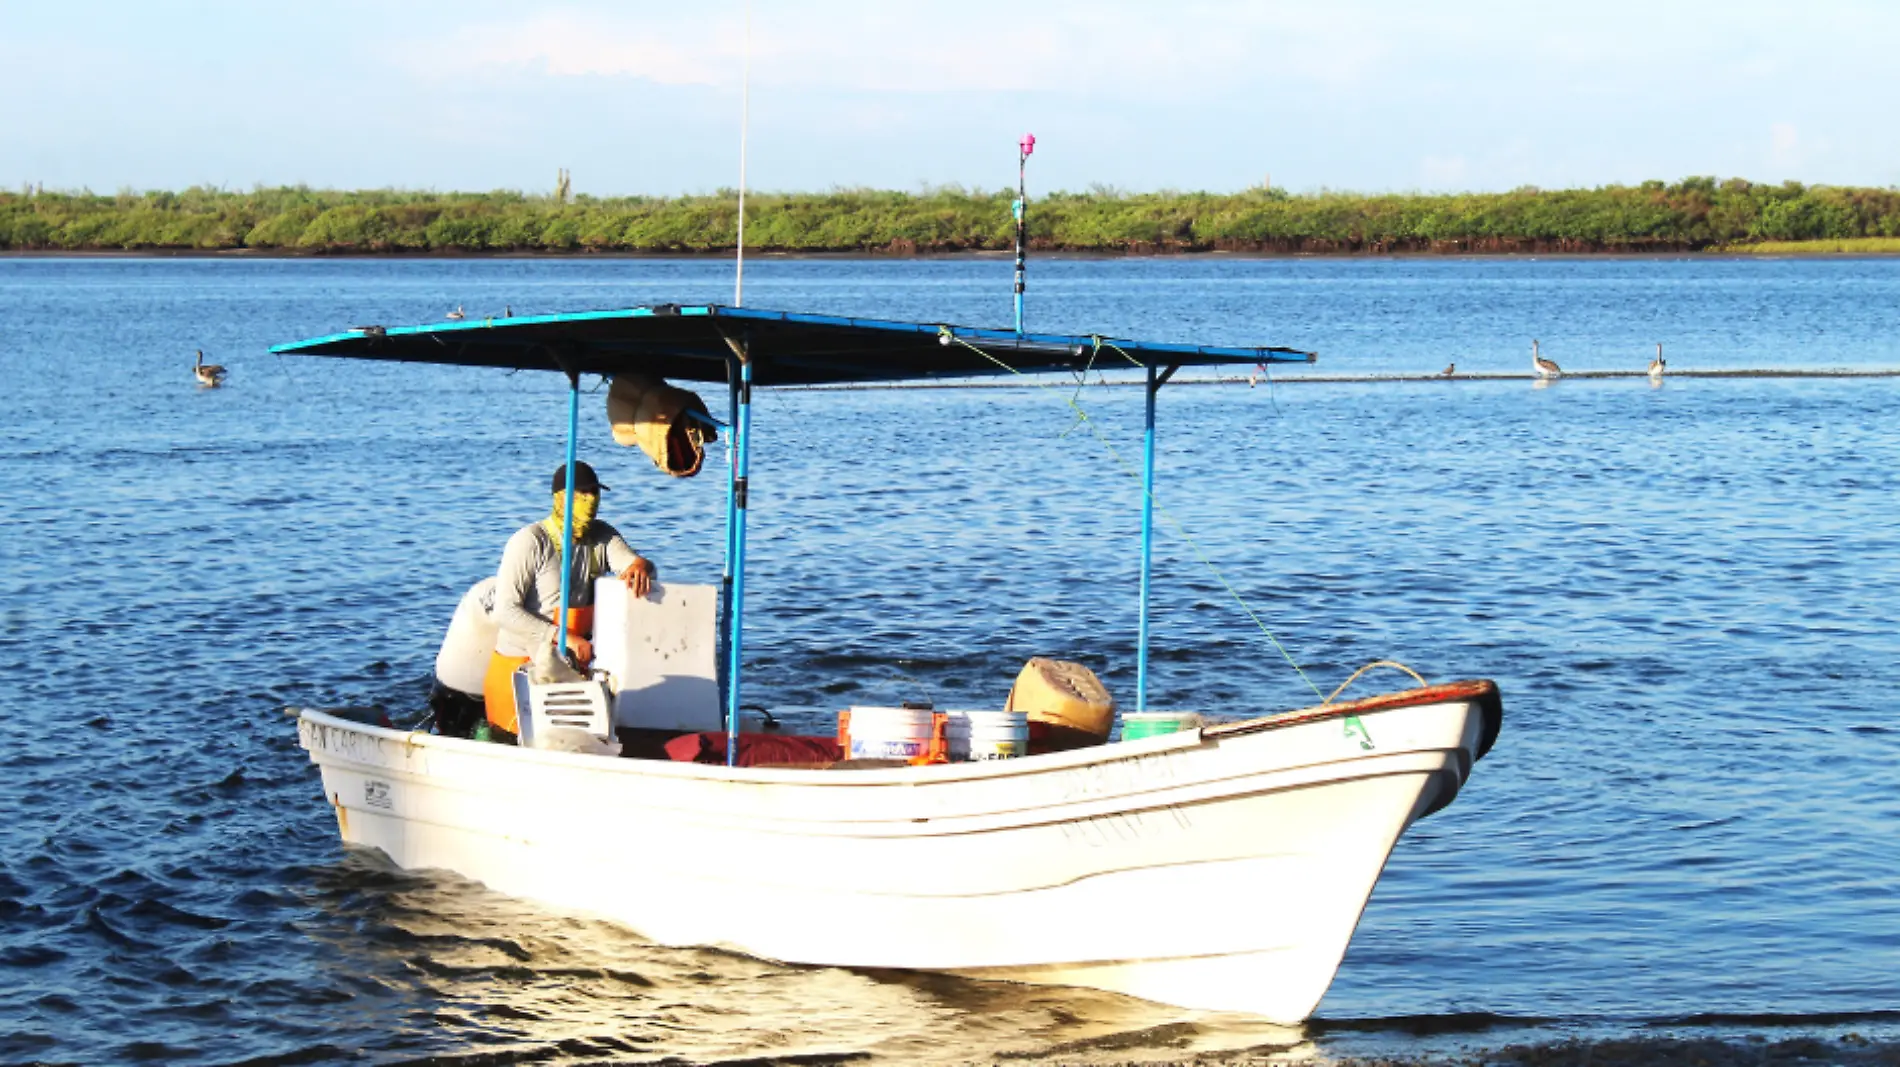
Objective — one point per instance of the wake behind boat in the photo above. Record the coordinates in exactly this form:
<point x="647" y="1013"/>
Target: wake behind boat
<point x="1018" y="869"/>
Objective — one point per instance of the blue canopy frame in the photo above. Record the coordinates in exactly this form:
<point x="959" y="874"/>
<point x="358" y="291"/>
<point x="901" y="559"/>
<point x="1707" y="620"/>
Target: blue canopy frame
<point x="746" y="346"/>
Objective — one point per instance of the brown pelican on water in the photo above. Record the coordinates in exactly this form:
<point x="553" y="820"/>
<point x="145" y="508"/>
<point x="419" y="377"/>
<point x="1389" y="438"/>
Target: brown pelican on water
<point x="208" y="374"/>
<point x="457" y="314"/>
<point x="1656" y="365"/>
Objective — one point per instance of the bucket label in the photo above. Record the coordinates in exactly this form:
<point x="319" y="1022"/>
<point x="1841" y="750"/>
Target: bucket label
<point x="886" y="749"/>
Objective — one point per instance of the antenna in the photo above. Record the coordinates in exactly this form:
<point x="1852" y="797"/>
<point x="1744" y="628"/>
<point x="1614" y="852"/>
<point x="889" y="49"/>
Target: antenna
<point x="745" y="109"/>
<point x="1021" y="209"/>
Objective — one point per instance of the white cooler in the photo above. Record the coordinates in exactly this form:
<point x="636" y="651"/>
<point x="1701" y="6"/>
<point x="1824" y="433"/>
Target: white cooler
<point x="660" y="653"/>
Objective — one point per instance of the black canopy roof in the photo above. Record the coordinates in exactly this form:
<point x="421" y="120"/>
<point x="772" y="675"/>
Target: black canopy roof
<point x="696" y="343"/>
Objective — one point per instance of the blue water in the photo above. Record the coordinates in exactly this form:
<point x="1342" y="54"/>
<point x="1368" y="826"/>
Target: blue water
<point x="1689" y="594"/>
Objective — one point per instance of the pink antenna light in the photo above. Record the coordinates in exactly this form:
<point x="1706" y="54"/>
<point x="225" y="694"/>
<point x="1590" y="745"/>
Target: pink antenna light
<point x="1027" y="144"/>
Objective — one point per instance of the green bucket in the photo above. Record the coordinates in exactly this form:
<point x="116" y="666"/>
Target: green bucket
<point x="1140" y="724"/>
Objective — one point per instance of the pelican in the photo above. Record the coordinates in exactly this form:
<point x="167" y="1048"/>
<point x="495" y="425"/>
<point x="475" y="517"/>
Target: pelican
<point x="1450" y="369"/>
<point x="1656" y="365"/>
<point x="457" y="314"/>
<point x="208" y="374"/>
<point x="1545" y="368"/>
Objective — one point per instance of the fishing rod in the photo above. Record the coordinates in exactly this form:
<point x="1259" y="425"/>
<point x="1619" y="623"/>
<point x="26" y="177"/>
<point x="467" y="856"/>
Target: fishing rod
<point x="1021" y="209"/>
<point x="745" y="117"/>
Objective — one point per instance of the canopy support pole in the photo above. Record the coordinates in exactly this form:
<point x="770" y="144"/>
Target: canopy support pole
<point x="567" y="509"/>
<point x="732" y="476"/>
<point x="736" y="550"/>
<point x="1147" y="535"/>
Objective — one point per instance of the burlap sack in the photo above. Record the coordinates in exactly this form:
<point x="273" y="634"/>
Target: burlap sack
<point x="650" y="415"/>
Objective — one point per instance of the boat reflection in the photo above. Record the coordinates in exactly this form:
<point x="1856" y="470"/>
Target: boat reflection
<point x="474" y="971"/>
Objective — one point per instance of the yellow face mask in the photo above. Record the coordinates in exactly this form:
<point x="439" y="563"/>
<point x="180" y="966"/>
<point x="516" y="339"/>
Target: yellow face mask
<point x="586" y="506"/>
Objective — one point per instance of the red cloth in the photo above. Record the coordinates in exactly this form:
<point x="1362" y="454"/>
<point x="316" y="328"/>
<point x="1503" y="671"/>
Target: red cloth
<point x="756" y="749"/>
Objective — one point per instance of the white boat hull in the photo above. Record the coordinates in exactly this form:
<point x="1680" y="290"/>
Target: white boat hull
<point x="1218" y="869"/>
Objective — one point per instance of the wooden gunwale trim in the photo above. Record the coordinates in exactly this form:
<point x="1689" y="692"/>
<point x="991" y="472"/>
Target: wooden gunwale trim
<point x="1481" y="689"/>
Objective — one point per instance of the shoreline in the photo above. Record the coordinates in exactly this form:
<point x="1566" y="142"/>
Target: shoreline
<point x="1693" y="216"/>
<point x="1721" y="253"/>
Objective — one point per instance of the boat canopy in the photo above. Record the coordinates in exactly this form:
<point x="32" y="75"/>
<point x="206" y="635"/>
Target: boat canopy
<point x="697" y="343"/>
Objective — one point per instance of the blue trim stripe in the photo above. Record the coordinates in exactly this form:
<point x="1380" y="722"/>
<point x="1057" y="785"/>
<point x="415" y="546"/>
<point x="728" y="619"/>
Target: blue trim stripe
<point x="473" y="324"/>
<point x="1010" y="337"/>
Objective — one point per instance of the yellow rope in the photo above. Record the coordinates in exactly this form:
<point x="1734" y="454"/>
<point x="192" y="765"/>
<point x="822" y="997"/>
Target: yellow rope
<point x="1180" y="531"/>
<point x="1079" y="386"/>
<point x="1394" y="664"/>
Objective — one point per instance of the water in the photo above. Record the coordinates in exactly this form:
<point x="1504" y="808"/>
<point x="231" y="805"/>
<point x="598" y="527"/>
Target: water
<point x="1690" y="827"/>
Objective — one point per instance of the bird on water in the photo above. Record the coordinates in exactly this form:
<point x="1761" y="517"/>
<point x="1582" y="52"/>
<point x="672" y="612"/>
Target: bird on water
<point x="1656" y="365"/>
<point x="457" y="314"/>
<point x="1545" y="368"/>
<point x="1450" y="369"/>
<point x="208" y="374"/>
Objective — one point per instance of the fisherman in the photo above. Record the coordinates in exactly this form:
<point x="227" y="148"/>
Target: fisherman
<point x="528" y="591"/>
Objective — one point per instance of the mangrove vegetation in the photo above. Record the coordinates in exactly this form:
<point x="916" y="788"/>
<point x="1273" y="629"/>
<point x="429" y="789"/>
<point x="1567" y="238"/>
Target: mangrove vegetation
<point x="1695" y="214"/>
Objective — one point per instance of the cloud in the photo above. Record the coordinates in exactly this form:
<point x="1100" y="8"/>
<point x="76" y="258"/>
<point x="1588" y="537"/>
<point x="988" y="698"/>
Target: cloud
<point x="643" y="97"/>
<point x="565" y="44"/>
<point x="1784" y="143"/>
<point x="1439" y="172"/>
<point x="1064" y="46"/>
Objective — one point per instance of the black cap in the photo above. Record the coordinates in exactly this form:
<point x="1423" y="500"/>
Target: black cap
<point x="585" y="480"/>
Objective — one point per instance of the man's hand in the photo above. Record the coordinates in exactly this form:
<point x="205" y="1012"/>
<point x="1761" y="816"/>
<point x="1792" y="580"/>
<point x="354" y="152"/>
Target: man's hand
<point x="639" y="576"/>
<point x="581" y="648"/>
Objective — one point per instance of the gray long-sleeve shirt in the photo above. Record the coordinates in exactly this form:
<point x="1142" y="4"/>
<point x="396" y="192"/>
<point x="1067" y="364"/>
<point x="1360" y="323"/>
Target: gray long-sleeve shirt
<point x="528" y="586"/>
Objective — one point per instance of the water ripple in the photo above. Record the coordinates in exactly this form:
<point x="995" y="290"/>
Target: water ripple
<point x="1687" y="834"/>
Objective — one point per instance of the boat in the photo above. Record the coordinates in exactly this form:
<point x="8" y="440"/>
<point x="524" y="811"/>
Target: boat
<point x="1266" y="830"/>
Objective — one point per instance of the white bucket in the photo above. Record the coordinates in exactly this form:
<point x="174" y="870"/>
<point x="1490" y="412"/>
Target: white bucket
<point x="888" y="733"/>
<point x="986" y="735"/>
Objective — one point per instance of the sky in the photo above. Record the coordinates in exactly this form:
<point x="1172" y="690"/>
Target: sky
<point x="639" y="97"/>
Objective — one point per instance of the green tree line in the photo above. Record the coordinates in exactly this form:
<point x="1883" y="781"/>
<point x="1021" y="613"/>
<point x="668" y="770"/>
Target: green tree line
<point x="1696" y="213"/>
